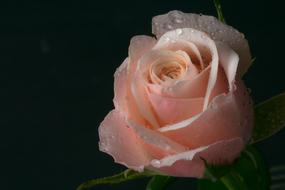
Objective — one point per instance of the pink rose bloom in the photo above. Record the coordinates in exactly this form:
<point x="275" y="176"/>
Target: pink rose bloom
<point x="179" y="97"/>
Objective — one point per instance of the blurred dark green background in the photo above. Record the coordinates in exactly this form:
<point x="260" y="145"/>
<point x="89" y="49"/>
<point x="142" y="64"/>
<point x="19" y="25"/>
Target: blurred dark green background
<point x="57" y="61"/>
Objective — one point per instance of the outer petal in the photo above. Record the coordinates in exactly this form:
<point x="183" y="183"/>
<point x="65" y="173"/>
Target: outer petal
<point x="120" y="141"/>
<point x="139" y="45"/>
<point x="133" y="145"/>
<point x="209" y="24"/>
<point x="228" y="116"/>
<point x="124" y="100"/>
<point x="157" y="145"/>
<point x="120" y="87"/>
<point x="189" y="164"/>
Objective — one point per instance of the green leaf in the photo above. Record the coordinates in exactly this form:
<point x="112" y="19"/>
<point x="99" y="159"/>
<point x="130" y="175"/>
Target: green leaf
<point x="219" y="10"/>
<point x="248" y="172"/>
<point x="269" y="118"/>
<point x="126" y="175"/>
<point x="159" y="182"/>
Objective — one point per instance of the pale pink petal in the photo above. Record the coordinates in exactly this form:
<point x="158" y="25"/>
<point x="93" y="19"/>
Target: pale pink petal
<point x="190" y="48"/>
<point x="189" y="163"/>
<point x="139" y="45"/>
<point x="205" y="45"/>
<point x="209" y="24"/>
<point x="120" y="87"/>
<point x="194" y="88"/>
<point x="222" y="84"/>
<point x="140" y="81"/>
<point x="124" y="100"/>
<point x="121" y="142"/>
<point x="228" y="116"/>
<point x="229" y="61"/>
<point x="157" y="145"/>
<point x="172" y="110"/>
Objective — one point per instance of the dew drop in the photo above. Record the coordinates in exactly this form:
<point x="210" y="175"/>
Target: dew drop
<point x="155" y="163"/>
<point x="167" y="26"/>
<point x="178" y="20"/>
<point x="103" y="146"/>
<point x="179" y="31"/>
<point x="167" y="39"/>
<point x="155" y="23"/>
<point x="176" y="17"/>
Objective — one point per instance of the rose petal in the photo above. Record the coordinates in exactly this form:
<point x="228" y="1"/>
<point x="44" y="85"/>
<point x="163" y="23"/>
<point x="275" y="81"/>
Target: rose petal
<point x="121" y="142"/>
<point x="123" y="100"/>
<point x="172" y="110"/>
<point x="157" y="145"/>
<point x="189" y="163"/>
<point x="209" y="24"/>
<point x="228" y="116"/>
<point x="139" y="45"/>
<point x="188" y="47"/>
<point x="205" y="45"/>
<point x="229" y="61"/>
<point x="139" y="84"/>
<point x="194" y="88"/>
<point x="120" y="88"/>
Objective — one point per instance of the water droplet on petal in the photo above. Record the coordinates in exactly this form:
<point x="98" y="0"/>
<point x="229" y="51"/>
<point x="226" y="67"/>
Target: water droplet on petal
<point x="176" y="17"/>
<point x="155" y="163"/>
<point x="167" y="39"/>
<point x="179" y="31"/>
<point x="167" y="26"/>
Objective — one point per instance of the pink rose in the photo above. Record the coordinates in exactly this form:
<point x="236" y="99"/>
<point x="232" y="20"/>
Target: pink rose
<point x="180" y="97"/>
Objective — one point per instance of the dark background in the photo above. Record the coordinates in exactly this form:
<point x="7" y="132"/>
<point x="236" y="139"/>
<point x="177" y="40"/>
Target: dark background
<point x="57" y="61"/>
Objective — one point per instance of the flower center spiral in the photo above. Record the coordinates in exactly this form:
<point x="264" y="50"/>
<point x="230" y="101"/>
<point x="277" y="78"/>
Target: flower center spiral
<point x="168" y="70"/>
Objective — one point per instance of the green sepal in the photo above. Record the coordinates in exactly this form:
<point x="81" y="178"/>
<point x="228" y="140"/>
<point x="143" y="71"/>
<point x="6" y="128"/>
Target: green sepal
<point x="159" y="182"/>
<point x="248" y="172"/>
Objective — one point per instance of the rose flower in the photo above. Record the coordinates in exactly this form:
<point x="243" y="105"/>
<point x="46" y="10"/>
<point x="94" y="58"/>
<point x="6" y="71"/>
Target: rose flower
<point x="179" y="98"/>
